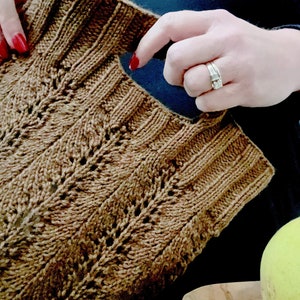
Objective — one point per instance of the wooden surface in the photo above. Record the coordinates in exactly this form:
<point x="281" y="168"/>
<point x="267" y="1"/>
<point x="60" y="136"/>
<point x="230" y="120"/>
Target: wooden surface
<point x="249" y="290"/>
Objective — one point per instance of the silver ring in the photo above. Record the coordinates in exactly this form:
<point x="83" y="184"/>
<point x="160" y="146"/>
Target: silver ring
<point x="215" y="75"/>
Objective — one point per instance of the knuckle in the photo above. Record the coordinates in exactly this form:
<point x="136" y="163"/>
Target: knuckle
<point x="229" y="28"/>
<point x="222" y="13"/>
<point x="235" y="37"/>
<point x="166" y="21"/>
<point x="203" y="105"/>
<point x="223" y="16"/>
<point x="169" y="77"/>
<point x="175" y="55"/>
<point x="191" y="84"/>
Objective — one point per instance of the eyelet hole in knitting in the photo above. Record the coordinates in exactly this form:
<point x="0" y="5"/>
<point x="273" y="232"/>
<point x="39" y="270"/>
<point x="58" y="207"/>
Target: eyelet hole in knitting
<point x="17" y="134"/>
<point x="118" y="233"/>
<point x="109" y="242"/>
<point x="119" y="250"/>
<point x="93" y="168"/>
<point x="91" y="285"/>
<point x="137" y="211"/>
<point x="107" y="136"/>
<point x="170" y="193"/>
<point x="83" y="161"/>
<point x="63" y="196"/>
<point x="146" y="220"/>
<point x="30" y="109"/>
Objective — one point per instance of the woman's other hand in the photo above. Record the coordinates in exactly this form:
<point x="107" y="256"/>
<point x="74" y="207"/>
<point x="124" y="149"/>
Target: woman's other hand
<point x="258" y="67"/>
<point x="12" y="35"/>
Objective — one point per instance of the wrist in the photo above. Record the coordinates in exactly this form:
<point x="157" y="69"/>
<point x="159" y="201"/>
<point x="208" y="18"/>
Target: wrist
<point x="290" y="42"/>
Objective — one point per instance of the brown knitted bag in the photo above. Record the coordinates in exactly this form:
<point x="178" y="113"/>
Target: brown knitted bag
<point x="105" y="193"/>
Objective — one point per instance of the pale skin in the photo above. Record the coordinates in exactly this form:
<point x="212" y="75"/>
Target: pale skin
<point x="259" y="67"/>
<point x="10" y="28"/>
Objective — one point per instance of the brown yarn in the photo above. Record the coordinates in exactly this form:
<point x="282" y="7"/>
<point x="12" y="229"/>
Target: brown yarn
<point x="104" y="193"/>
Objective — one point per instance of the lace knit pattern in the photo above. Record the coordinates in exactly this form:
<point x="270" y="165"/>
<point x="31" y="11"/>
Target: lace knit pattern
<point x="104" y="193"/>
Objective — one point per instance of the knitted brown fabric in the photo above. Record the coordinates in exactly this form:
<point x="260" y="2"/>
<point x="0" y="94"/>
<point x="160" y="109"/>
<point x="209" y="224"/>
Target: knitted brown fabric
<point x="105" y="194"/>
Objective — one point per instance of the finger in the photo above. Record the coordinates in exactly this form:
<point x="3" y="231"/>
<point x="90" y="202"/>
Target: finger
<point x="173" y="26"/>
<point x="4" y="54"/>
<point x="197" y="80"/>
<point x="188" y="53"/>
<point x="12" y="27"/>
<point x="221" y="99"/>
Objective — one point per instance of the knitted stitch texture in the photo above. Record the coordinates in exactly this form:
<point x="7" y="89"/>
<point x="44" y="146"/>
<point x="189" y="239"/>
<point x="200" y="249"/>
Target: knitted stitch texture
<point x="105" y="193"/>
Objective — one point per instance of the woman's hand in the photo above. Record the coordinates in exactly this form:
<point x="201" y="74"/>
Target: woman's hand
<point x="11" y="31"/>
<point x="258" y="67"/>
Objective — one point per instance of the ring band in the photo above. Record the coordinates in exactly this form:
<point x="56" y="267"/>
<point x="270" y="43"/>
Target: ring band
<point x="215" y="75"/>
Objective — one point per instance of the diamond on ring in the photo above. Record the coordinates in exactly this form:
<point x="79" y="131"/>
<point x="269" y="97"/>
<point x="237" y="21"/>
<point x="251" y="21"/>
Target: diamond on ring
<point x="215" y="75"/>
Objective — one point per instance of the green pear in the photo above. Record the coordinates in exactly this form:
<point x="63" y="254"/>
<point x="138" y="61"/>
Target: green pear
<point x="280" y="264"/>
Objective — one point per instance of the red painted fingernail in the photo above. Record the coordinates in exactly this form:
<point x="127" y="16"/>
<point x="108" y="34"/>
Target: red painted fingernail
<point x="134" y="62"/>
<point x="3" y="50"/>
<point x="20" y="43"/>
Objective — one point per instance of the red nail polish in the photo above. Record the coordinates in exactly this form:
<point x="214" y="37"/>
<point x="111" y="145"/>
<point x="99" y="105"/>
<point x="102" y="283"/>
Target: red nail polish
<point x="20" y="43"/>
<point x="134" y="62"/>
<point x="3" y="50"/>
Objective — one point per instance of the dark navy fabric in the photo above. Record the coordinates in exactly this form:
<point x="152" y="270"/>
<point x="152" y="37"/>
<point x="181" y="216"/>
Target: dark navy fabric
<point x="151" y="78"/>
<point x="235" y="255"/>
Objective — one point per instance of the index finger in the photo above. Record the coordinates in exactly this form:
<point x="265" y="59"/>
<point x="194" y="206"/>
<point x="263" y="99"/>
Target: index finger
<point x="10" y="22"/>
<point x="172" y="27"/>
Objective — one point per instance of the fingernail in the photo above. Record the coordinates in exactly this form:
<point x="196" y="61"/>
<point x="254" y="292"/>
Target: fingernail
<point x="3" y="50"/>
<point x="134" y="62"/>
<point x="20" y="43"/>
